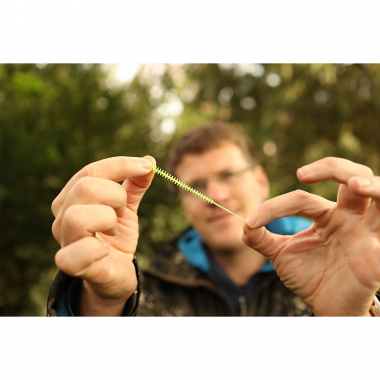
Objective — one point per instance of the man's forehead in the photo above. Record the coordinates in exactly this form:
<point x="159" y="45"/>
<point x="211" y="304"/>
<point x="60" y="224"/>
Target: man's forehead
<point x="227" y="156"/>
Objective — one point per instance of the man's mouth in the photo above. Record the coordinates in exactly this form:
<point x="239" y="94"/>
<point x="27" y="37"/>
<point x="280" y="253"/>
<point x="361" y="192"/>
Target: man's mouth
<point x="220" y="218"/>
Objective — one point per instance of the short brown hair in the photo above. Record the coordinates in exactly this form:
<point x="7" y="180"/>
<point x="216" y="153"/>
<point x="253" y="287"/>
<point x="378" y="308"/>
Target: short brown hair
<point x="206" y="137"/>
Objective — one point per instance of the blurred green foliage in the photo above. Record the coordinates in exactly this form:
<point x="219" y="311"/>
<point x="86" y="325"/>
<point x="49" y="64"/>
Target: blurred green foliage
<point x="55" y="119"/>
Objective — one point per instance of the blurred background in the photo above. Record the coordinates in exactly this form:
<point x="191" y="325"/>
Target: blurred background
<point x="57" y="118"/>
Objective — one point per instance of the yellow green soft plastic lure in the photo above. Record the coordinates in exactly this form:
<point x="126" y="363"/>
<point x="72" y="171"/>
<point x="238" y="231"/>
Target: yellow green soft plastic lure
<point x="188" y="188"/>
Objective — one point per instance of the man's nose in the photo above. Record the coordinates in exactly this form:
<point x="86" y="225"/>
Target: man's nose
<point x="216" y="190"/>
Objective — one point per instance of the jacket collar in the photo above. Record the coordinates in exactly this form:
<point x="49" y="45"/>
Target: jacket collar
<point x="185" y="259"/>
<point x="190" y="244"/>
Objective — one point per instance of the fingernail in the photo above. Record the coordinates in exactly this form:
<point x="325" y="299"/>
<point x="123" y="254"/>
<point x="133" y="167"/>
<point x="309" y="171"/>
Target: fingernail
<point x="145" y="164"/>
<point x="305" y="170"/>
<point x="363" y="182"/>
<point x="251" y="220"/>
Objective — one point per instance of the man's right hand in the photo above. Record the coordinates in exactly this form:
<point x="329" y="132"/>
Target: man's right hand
<point x="97" y="227"/>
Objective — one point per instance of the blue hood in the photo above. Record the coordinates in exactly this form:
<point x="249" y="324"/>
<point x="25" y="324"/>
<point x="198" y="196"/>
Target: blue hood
<point x="190" y="243"/>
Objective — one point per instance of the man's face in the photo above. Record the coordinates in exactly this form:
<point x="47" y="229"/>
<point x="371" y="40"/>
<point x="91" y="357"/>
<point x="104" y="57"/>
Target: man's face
<point x="240" y="193"/>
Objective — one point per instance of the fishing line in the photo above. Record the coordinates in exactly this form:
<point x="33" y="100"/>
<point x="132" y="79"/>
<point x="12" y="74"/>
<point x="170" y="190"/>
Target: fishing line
<point x="176" y="181"/>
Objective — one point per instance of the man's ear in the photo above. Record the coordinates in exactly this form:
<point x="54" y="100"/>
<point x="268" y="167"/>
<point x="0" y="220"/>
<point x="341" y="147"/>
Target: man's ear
<point x="262" y="180"/>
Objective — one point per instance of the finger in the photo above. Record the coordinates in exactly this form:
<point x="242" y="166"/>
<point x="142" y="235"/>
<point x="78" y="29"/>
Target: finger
<point x="350" y="201"/>
<point x="85" y="220"/>
<point x="89" y="190"/>
<point x="263" y="241"/>
<point x="366" y="187"/>
<point x="268" y="244"/>
<point x="339" y="170"/>
<point x="369" y="187"/>
<point x="77" y="258"/>
<point x="115" y="169"/>
<point x="306" y="204"/>
<point x="136" y="187"/>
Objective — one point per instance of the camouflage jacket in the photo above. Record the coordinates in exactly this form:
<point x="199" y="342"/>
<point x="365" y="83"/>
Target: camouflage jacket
<point x="173" y="287"/>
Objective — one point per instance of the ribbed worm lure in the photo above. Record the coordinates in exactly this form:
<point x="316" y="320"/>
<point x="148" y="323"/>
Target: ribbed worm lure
<point x="188" y="188"/>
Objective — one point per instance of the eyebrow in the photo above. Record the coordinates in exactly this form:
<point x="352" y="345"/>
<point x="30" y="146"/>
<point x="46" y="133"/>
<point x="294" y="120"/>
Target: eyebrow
<point x="220" y="172"/>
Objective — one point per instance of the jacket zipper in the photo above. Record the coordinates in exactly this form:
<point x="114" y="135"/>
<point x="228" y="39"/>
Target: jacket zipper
<point x="243" y="306"/>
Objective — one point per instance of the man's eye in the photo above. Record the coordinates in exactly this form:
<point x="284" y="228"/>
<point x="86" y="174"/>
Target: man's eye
<point x="199" y="185"/>
<point x="226" y="175"/>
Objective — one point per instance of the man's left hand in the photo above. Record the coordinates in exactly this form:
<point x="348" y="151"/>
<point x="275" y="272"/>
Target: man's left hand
<point x="334" y="265"/>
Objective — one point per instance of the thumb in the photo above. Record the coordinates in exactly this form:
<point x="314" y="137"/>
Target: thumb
<point x="263" y="241"/>
<point x="137" y="186"/>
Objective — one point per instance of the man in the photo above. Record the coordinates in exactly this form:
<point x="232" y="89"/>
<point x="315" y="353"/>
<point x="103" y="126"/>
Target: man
<point x="332" y="264"/>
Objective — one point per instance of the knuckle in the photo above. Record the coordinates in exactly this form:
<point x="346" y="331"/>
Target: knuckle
<point x="124" y="165"/>
<point x="55" y="207"/>
<point x="271" y="205"/>
<point x="249" y="241"/>
<point x="56" y="230"/>
<point x="332" y="162"/>
<point x="84" y="186"/>
<point x="90" y="170"/>
<point x="301" y="194"/>
<point x="110" y="214"/>
<point x="254" y="239"/>
<point x="60" y="260"/>
<point x="120" y="195"/>
<point x="368" y="171"/>
<point x="247" y="237"/>
<point x="72" y="217"/>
